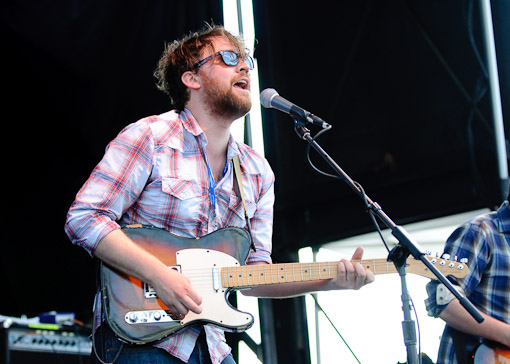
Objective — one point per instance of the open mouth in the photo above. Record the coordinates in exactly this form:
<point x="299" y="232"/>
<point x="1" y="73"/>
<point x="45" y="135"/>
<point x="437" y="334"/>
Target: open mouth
<point x="242" y="84"/>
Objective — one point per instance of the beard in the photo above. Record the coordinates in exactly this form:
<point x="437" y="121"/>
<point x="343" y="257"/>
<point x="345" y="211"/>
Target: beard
<point x="223" y="102"/>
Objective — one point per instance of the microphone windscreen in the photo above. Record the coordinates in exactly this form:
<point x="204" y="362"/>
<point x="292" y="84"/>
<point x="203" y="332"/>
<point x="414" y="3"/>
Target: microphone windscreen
<point x="266" y="96"/>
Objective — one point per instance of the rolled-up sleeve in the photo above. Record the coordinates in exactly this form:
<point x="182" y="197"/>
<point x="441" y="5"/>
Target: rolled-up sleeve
<point x="467" y="241"/>
<point x="113" y="186"/>
<point x="262" y="221"/>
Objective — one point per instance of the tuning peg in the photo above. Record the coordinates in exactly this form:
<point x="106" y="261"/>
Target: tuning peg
<point x="446" y="256"/>
<point x="464" y="260"/>
<point x="428" y="252"/>
<point x="455" y="259"/>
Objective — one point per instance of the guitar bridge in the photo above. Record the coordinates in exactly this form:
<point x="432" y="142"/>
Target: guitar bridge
<point x="149" y="291"/>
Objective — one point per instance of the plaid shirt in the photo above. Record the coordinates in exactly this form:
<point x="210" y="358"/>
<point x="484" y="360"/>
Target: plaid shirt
<point x="485" y="241"/>
<point x="155" y="172"/>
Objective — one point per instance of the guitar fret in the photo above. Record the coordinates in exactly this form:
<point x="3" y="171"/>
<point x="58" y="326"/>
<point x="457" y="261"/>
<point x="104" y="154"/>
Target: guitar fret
<point x="261" y="275"/>
<point x="274" y="273"/>
<point x="242" y="276"/>
<point x="231" y="277"/>
<point x="250" y="275"/>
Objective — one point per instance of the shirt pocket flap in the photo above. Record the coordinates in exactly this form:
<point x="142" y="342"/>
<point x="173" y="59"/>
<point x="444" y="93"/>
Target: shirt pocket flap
<point x="179" y="188"/>
<point x="239" y="209"/>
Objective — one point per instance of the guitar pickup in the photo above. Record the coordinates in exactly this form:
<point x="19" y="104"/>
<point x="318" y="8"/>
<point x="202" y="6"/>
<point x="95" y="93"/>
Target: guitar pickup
<point x="150" y="292"/>
<point x="147" y="317"/>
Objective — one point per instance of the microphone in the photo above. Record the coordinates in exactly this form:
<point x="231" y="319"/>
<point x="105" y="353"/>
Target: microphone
<point x="269" y="98"/>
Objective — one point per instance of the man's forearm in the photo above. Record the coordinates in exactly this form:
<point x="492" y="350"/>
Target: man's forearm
<point x="457" y="317"/>
<point x="119" y="251"/>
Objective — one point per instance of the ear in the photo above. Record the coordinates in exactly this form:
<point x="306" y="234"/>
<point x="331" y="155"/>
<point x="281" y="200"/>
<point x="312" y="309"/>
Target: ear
<point x="190" y="80"/>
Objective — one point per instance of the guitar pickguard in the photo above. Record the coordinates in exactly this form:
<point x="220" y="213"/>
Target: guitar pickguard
<point x="202" y="267"/>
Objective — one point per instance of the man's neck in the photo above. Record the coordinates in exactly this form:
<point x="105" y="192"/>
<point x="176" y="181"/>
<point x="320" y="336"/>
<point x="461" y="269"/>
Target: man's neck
<point x="217" y="132"/>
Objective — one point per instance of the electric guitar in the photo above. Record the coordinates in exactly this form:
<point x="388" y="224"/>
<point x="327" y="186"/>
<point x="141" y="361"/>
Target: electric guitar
<point x="213" y="265"/>
<point x="490" y="352"/>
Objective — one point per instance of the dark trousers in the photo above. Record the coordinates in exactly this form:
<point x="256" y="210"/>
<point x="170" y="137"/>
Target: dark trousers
<point x="108" y="346"/>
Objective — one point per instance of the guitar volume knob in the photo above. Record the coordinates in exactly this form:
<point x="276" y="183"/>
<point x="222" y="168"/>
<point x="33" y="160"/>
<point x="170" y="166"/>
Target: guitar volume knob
<point x="133" y="317"/>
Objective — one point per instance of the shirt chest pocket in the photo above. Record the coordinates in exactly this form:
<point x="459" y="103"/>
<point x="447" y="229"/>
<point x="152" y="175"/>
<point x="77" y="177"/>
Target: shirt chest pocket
<point x="236" y="205"/>
<point x="180" y="188"/>
<point x="183" y="199"/>
<point x="231" y="207"/>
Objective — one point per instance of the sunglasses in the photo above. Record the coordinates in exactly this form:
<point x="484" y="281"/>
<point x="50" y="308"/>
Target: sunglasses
<point x="230" y="58"/>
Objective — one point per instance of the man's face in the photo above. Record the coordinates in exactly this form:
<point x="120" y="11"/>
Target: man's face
<point x="226" y="88"/>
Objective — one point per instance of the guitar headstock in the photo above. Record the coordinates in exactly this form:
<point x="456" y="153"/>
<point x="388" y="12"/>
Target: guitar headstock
<point x="445" y="266"/>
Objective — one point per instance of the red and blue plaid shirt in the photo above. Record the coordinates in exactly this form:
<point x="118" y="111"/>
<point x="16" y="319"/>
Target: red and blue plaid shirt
<point x="485" y="242"/>
<point x="155" y="172"/>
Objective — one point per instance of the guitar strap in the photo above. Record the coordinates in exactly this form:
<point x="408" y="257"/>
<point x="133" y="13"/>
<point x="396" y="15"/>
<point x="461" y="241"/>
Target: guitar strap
<point x="459" y="344"/>
<point x="239" y="184"/>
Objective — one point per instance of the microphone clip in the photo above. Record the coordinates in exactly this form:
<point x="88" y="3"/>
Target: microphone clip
<point x="300" y="115"/>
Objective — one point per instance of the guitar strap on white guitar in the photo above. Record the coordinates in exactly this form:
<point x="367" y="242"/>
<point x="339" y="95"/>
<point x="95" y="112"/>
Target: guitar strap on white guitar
<point x="239" y="183"/>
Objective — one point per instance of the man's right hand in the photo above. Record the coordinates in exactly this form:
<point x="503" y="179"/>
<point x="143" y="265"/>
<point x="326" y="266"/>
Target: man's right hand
<point x="173" y="288"/>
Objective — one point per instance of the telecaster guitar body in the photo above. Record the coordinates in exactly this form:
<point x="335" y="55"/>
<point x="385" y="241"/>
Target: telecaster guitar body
<point x="135" y="313"/>
<point x="491" y="353"/>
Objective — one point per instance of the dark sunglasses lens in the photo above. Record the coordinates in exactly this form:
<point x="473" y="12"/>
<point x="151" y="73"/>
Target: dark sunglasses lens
<point x="249" y="62"/>
<point x="230" y="58"/>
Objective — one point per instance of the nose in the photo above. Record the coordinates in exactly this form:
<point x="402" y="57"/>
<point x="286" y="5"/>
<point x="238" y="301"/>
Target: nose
<point x="243" y="66"/>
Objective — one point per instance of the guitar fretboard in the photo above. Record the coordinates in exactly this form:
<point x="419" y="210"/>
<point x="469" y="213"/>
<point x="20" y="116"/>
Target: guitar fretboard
<point x="263" y="274"/>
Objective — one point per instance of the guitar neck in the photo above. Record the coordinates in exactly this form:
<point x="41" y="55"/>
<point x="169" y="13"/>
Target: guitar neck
<point x="263" y="274"/>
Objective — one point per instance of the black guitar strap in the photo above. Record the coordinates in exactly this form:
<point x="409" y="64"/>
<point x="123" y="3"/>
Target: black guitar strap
<point x="459" y="344"/>
<point x="240" y="190"/>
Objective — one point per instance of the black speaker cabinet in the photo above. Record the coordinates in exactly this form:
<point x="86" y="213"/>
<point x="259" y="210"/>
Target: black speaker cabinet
<point x="21" y="345"/>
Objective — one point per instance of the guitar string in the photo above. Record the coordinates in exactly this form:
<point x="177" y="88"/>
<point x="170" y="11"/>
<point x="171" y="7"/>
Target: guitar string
<point x="308" y="271"/>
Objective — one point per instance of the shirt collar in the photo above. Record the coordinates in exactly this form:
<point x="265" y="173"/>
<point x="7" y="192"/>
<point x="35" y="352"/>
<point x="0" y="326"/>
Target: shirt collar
<point x="504" y="217"/>
<point x="190" y="123"/>
<point x="192" y="126"/>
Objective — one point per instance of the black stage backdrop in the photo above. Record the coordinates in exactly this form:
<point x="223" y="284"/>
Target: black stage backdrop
<point x="74" y="74"/>
<point x="403" y="87"/>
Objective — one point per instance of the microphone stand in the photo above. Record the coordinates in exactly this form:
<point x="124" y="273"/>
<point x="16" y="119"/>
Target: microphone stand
<point x="398" y="254"/>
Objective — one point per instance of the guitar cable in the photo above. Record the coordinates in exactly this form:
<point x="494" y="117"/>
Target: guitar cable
<point x="97" y="306"/>
<point x="333" y="325"/>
